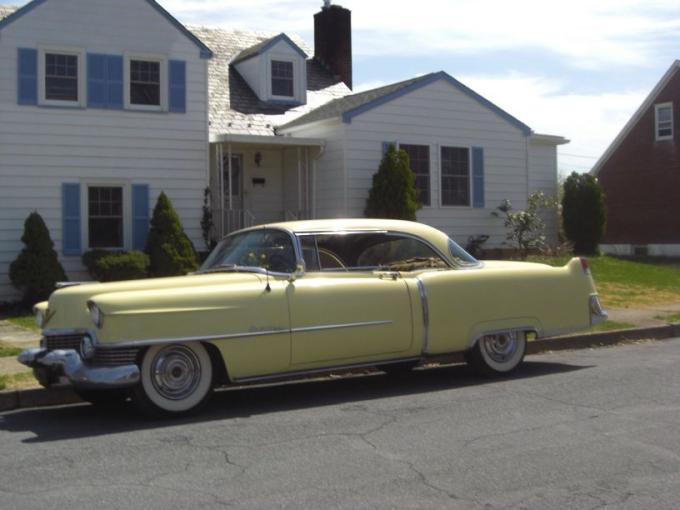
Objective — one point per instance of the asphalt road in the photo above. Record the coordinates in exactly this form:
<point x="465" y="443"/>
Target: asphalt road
<point x="582" y="429"/>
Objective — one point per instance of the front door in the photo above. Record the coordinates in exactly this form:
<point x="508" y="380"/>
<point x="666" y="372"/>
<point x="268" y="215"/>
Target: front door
<point x="342" y="318"/>
<point x="233" y="193"/>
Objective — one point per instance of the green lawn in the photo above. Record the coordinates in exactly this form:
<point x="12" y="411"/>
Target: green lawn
<point x="16" y="381"/>
<point x="7" y="351"/>
<point x="630" y="282"/>
<point x="19" y="317"/>
<point x="611" y="326"/>
<point x="671" y="317"/>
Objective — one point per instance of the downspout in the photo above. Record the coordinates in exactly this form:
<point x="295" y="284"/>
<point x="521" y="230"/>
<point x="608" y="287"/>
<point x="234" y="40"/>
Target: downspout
<point x="322" y="151"/>
<point x="220" y="183"/>
<point x="299" y="180"/>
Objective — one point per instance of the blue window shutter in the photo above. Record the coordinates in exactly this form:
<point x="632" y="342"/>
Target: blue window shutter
<point x="70" y="203"/>
<point x="27" y="76"/>
<point x="97" y="73"/>
<point x="478" y="177"/>
<point x="140" y="215"/>
<point x="104" y="81"/>
<point x="178" y="86"/>
<point x="115" y="82"/>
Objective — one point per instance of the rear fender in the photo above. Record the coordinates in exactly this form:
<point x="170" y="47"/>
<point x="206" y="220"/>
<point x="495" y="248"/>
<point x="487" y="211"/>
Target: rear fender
<point x="519" y="324"/>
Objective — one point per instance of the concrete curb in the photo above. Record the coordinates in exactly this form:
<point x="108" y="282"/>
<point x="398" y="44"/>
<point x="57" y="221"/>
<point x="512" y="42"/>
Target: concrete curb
<point x="62" y="395"/>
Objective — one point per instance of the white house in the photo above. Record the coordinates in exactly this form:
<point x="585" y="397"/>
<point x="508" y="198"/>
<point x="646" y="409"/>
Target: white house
<point x="134" y="103"/>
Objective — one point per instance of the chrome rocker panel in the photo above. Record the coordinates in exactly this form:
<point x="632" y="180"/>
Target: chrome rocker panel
<point x="67" y="362"/>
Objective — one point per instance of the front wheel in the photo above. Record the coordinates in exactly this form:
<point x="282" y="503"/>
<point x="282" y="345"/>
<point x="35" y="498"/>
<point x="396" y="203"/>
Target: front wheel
<point x="175" y="379"/>
<point x="498" y="354"/>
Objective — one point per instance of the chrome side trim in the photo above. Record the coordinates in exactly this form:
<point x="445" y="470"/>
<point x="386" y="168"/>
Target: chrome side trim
<point x="312" y="371"/>
<point x="229" y="336"/>
<point x="183" y="340"/>
<point x="339" y="326"/>
<point x="426" y="315"/>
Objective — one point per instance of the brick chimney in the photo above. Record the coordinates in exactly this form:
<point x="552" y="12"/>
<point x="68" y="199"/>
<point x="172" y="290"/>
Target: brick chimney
<point x="333" y="40"/>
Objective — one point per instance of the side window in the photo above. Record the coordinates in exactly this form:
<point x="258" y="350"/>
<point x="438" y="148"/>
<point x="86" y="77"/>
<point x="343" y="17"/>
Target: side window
<point x="400" y="254"/>
<point x="368" y="251"/>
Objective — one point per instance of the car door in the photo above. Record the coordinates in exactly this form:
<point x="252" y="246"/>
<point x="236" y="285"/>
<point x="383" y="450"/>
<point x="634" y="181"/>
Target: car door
<point x="343" y="314"/>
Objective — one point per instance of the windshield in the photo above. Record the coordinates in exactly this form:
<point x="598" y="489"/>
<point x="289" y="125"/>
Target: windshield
<point x="460" y="256"/>
<point x="256" y="249"/>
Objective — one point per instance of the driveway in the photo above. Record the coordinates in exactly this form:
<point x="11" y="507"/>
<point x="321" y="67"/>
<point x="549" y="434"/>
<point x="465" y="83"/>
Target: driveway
<point x="581" y="429"/>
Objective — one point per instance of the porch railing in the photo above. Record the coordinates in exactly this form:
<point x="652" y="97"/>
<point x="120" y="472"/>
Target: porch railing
<point x="236" y="219"/>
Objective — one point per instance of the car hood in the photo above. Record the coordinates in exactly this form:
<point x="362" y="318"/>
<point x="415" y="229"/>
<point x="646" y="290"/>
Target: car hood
<point x="67" y="307"/>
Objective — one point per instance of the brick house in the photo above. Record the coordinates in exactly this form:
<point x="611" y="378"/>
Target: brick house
<point x="640" y="175"/>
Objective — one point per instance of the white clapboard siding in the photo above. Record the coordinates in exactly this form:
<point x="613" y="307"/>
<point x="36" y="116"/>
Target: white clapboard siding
<point x="440" y="115"/>
<point x="331" y="185"/>
<point x="42" y="147"/>
<point x="543" y="177"/>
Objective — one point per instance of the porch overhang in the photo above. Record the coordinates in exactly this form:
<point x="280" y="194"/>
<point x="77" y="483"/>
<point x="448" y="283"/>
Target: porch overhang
<point x="271" y="140"/>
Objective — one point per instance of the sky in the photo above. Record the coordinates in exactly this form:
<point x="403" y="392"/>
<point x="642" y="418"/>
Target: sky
<point x="578" y="69"/>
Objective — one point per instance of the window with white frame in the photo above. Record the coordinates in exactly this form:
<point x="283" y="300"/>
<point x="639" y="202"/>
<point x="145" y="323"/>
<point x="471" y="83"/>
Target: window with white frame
<point x="105" y="216"/>
<point x="455" y="176"/>
<point x="146" y="82"/>
<point x="419" y="157"/>
<point x="61" y="77"/>
<point x="663" y="126"/>
<point x="282" y="78"/>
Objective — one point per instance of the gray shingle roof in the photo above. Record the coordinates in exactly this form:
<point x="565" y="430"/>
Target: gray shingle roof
<point x="344" y="104"/>
<point x="234" y="107"/>
<point x="6" y="10"/>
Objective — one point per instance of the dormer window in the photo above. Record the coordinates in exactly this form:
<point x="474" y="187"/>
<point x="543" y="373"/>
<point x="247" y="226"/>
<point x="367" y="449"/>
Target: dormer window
<point x="282" y="78"/>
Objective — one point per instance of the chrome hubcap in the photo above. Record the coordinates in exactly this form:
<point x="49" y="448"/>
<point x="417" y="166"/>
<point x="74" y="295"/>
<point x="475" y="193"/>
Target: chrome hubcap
<point x="176" y="372"/>
<point x="500" y="348"/>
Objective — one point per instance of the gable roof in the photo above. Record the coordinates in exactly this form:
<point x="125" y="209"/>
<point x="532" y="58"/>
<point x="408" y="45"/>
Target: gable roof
<point x="263" y="46"/>
<point x="352" y="105"/>
<point x="233" y="106"/>
<point x="18" y="13"/>
<point x="649" y="100"/>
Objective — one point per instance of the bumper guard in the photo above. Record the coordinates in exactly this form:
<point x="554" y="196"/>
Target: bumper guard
<point x="48" y="366"/>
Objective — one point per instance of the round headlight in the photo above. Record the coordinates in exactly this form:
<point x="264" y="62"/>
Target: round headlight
<point x="86" y="348"/>
<point x="39" y="317"/>
<point x="95" y="314"/>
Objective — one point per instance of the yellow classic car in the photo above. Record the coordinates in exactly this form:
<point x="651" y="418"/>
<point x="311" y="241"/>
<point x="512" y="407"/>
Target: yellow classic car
<point x="291" y="299"/>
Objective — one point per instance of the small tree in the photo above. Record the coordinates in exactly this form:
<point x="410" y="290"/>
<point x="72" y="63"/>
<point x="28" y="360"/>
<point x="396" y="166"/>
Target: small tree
<point x="393" y="194"/>
<point x="36" y="270"/>
<point x="207" y="220"/>
<point x="526" y="228"/>
<point x="169" y="249"/>
<point x="584" y="215"/>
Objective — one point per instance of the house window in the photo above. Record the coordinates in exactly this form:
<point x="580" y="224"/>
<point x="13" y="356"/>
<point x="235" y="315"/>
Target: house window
<point x="282" y="78"/>
<point x="419" y="156"/>
<point x="61" y="77"/>
<point x="145" y="82"/>
<point x="105" y="216"/>
<point x="664" y="121"/>
<point x="455" y="176"/>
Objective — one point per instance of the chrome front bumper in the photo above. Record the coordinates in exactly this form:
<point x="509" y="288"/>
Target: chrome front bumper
<point x="49" y="366"/>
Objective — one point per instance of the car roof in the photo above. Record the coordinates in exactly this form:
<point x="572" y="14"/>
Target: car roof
<point x="357" y="224"/>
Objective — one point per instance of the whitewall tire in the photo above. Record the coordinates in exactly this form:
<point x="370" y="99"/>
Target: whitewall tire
<point x="499" y="353"/>
<point x="175" y="379"/>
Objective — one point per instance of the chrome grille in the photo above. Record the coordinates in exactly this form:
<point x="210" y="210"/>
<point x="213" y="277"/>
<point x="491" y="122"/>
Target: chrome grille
<point x="54" y="342"/>
<point x="114" y="357"/>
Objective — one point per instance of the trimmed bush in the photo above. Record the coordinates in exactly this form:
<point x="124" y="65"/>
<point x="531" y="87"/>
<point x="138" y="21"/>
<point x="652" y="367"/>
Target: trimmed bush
<point x="36" y="270"/>
<point x="169" y="249"/>
<point x="584" y="215"/>
<point x="393" y="194"/>
<point x="106" y="266"/>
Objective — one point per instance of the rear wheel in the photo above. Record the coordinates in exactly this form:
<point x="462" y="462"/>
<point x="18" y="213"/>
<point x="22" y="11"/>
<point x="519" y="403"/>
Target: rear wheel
<point x="175" y="379"/>
<point x="497" y="354"/>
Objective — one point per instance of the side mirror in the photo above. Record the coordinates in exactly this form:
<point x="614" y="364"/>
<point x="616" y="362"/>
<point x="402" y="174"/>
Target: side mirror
<point x="300" y="269"/>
